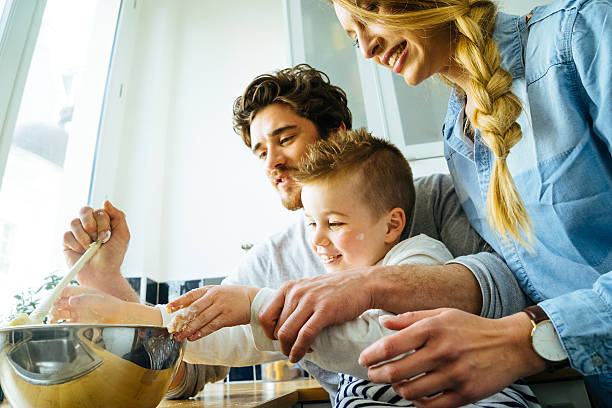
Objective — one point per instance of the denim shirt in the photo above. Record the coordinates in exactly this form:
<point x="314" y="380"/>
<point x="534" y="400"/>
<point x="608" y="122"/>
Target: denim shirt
<point x="561" y="64"/>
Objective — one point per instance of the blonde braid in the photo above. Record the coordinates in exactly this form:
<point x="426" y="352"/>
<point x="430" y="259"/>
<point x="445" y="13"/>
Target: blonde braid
<point x="496" y="107"/>
<point x="495" y="114"/>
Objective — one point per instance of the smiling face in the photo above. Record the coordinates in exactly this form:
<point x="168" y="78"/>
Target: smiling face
<point x="342" y="229"/>
<point x="415" y="55"/>
<point x="279" y="138"/>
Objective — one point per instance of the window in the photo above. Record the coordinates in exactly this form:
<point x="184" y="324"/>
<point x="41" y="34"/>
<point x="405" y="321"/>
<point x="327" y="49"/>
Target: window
<point x="2" y="3"/>
<point x="48" y="168"/>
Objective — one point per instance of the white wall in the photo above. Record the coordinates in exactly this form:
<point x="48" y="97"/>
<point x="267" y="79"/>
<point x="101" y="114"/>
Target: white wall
<point x="191" y="190"/>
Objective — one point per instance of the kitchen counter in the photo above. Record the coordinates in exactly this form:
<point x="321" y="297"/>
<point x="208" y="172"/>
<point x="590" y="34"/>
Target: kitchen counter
<point x="254" y="394"/>
<point x="249" y="394"/>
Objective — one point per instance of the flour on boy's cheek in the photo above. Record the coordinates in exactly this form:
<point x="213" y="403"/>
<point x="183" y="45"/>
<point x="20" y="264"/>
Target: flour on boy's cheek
<point x="360" y="237"/>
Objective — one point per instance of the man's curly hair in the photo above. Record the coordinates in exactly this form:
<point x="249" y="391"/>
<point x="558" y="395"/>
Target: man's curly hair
<point x="306" y="90"/>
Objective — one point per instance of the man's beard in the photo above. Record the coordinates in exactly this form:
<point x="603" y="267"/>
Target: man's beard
<point x="291" y="201"/>
<point x="291" y="198"/>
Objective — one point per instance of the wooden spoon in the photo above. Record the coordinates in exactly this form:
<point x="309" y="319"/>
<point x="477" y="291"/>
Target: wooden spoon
<point x="38" y="315"/>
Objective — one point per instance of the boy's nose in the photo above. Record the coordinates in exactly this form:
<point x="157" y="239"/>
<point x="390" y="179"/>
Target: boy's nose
<point x="319" y="239"/>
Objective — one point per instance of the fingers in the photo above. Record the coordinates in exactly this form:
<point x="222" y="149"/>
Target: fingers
<point x="186" y="299"/>
<point x="103" y="232"/>
<point x="89" y="227"/>
<point x="200" y="324"/>
<point x="72" y="301"/>
<point x="70" y="291"/>
<point x="408" y="366"/>
<point x="189" y="320"/>
<point x="387" y="348"/>
<point x="78" y="229"/>
<point x="425" y="388"/>
<point x="270" y="313"/>
<point x="404" y="320"/>
<point x="446" y="399"/>
<point x="288" y="331"/>
<point x="59" y="315"/>
<point x="86" y="300"/>
<point x="113" y="211"/>
<point x="306" y="336"/>
<point x="71" y="243"/>
<point x="209" y="325"/>
<point x="118" y="222"/>
<point x="88" y="222"/>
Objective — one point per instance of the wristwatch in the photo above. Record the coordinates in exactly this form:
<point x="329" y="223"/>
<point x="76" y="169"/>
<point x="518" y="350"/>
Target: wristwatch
<point x="545" y="340"/>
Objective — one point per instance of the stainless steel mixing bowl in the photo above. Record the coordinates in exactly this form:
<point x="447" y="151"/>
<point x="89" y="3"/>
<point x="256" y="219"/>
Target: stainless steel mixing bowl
<point x="87" y="366"/>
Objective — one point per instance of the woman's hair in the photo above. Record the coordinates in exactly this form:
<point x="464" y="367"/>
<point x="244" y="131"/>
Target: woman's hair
<point x="496" y="107"/>
<point x="306" y="90"/>
<point x="385" y="177"/>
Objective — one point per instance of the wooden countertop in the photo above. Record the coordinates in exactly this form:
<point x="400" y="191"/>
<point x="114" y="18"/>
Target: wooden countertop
<point x="254" y="394"/>
<point x="249" y="394"/>
<point x="286" y="393"/>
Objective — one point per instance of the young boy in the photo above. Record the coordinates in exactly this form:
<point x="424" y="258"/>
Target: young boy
<point x="357" y="194"/>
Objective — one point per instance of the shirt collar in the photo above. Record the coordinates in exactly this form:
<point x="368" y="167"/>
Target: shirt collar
<point x="509" y="33"/>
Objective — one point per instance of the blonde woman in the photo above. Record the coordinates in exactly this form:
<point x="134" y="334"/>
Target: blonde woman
<point x="528" y="139"/>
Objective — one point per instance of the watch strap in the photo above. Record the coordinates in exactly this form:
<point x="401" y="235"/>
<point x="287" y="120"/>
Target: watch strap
<point x="537" y="315"/>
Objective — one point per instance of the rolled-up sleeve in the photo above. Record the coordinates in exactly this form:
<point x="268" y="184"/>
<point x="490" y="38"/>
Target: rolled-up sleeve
<point x="438" y="214"/>
<point x="501" y="293"/>
<point x="583" y="320"/>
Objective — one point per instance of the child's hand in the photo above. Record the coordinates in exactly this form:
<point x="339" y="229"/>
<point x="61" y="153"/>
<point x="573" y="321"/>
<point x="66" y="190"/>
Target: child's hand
<point x="81" y="304"/>
<point x="206" y="310"/>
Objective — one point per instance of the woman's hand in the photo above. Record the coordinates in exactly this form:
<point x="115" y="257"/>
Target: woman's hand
<point x="464" y="357"/>
<point x="205" y="310"/>
<point x="81" y="304"/>
<point x="103" y="269"/>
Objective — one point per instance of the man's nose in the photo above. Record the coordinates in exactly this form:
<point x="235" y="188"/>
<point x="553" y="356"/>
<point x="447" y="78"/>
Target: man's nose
<point x="275" y="159"/>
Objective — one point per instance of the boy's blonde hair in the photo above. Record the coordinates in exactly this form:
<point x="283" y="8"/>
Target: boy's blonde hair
<point x="385" y="175"/>
<point x="496" y="107"/>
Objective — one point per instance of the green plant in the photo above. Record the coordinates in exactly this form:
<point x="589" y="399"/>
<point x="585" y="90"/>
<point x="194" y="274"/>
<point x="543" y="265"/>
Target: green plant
<point x="29" y="299"/>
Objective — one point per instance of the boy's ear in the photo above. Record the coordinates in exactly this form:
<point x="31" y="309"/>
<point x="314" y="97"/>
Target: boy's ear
<point x="341" y="128"/>
<point x="396" y="221"/>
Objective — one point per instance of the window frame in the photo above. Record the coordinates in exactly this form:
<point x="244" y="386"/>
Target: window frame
<point x="19" y="28"/>
<point x="112" y="117"/>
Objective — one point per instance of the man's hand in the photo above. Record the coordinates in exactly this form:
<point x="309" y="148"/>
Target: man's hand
<point x="302" y="308"/>
<point x="203" y="311"/>
<point x="103" y="269"/>
<point x="464" y="357"/>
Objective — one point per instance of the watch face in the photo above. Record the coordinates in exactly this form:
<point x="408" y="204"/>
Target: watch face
<point x="546" y="342"/>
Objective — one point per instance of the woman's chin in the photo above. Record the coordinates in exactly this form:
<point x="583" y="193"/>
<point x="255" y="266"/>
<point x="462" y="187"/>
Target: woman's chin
<point x="411" y="79"/>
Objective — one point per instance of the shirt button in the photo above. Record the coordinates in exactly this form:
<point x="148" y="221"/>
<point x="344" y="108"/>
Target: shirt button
<point x="597" y="360"/>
